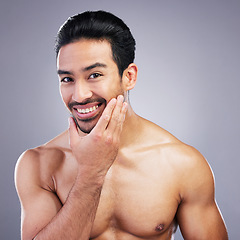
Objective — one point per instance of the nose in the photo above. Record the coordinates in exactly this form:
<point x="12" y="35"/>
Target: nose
<point x="81" y="91"/>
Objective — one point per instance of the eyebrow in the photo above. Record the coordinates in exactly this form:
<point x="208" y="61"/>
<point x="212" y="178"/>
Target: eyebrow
<point x="97" y="64"/>
<point x="61" y="72"/>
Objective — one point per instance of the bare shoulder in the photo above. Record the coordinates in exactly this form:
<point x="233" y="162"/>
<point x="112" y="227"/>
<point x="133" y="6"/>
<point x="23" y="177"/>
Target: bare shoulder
<point x="187" y="163"/>
<point x="195" y="176"/>
<point x="38" y="164"/>
<point x="178" y="153"/>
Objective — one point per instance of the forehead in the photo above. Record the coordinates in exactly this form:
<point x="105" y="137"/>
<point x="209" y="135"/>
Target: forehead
<point x="84" y="52"/>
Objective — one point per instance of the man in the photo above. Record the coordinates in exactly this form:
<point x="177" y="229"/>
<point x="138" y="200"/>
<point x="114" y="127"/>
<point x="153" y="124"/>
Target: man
<point x="113" y="174"/>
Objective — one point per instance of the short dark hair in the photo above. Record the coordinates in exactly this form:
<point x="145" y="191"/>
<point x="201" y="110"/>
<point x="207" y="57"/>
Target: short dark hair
<point x="100" y="25"/>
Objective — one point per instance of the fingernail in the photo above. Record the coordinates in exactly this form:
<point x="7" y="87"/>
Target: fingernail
<point x="120" y="98"/>
<point x="114" y="100"/>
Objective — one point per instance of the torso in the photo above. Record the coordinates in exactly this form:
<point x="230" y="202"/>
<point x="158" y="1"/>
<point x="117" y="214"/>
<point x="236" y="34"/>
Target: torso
<point x="140" y="195"/>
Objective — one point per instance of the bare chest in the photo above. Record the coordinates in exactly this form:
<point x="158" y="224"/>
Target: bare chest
<point x="136" y="203"/>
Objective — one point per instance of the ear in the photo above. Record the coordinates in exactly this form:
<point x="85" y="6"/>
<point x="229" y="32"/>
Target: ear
<point x="129" y="77"/>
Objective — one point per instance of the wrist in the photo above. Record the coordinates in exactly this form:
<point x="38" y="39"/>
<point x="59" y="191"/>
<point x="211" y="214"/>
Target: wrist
<point x="91" y="176"/>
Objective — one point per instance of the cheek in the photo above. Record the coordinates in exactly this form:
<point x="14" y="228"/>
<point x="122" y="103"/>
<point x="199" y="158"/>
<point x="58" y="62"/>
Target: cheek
<point x="108" y="91"/>
<point x="113" y="87"/>
<point x="117" y="89"/>
<point x="101" y="89"/>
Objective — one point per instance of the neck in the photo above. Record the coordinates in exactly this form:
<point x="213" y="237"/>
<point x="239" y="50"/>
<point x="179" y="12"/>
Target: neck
<point x="130" y="127"/>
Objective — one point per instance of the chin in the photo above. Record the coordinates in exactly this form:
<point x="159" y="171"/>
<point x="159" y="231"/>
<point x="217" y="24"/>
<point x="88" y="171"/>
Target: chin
<point x="85" y="126"/>
<point x="85" y="130"/>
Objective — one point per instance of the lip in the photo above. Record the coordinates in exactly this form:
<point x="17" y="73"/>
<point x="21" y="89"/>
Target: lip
<point x="88" y="115"/>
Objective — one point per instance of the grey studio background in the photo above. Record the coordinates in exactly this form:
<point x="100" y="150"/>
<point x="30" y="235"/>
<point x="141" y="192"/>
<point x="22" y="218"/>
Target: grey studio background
<point x="188" y="83"/>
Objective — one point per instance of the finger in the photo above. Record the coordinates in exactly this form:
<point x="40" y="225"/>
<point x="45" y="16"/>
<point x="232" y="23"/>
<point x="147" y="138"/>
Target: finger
<point x="106" y="116"/>
<point x="123" y="112"/>
<point x="73" y="132"/>
<point x="121" y="120"/>
<point x="116" y="118"/>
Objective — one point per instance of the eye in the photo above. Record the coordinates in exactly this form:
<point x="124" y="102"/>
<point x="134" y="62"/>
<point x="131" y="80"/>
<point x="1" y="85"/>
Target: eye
<point x="66" y="80"/>
<point x="95" y="75"/>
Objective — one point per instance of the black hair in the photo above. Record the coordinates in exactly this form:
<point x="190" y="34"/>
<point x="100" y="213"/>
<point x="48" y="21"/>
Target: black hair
<point x="100" y="25"/>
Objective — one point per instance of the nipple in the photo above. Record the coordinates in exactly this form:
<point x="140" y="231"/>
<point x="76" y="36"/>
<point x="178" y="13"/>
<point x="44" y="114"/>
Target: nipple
<point x="159" y="227"/>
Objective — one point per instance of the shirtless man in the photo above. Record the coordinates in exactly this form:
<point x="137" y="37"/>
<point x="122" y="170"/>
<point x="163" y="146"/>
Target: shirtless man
<point x="113" y="174"/>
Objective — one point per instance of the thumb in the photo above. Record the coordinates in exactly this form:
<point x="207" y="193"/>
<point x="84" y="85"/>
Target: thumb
<point x="73" y="132"/>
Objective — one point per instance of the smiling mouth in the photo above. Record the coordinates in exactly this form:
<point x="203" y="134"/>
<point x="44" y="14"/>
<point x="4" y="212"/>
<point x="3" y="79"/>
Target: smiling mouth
<point x="87" y="110"/>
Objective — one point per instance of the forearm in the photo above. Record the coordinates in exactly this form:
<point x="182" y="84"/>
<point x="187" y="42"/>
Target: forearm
<point x="75" y="218"/>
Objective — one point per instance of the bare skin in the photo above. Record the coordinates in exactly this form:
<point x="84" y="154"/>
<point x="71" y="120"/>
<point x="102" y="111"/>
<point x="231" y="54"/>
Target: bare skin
<point x="127" y="179"/>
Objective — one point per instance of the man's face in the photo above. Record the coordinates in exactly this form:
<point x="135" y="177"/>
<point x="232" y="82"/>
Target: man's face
<point x="89" y="79"/>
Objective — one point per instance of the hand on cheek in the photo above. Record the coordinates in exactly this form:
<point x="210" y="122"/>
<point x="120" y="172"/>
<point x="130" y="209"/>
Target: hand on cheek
<point x="99" y="148"/>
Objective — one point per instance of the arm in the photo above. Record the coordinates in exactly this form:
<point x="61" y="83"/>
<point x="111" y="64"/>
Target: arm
<point x="198" y="215"/>
<point x="43" y="216"/>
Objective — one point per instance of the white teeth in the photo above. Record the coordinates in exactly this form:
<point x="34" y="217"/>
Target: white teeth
<point x="87" y="110"/>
